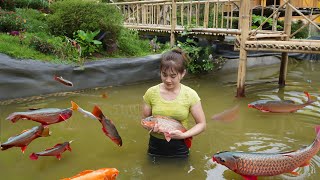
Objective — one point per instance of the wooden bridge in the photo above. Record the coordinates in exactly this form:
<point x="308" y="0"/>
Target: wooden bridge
<point x="223" y="17"/>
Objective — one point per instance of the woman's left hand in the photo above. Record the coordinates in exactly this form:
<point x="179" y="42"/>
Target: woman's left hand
<point x="176" y="134"/>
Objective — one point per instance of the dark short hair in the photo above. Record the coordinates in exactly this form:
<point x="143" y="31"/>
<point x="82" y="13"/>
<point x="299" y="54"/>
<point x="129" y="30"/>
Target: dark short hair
<point x="175" y="60"/>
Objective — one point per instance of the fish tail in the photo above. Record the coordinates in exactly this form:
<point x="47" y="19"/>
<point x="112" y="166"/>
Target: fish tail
<point x="13" y="118"/>
<point x="74" y="106"/>
<point x="33" y="156"/>
<point x="97" y="112"/>
<point x="188" y="142"/>
<point x="308" y="96"/>
<point x="46" y="132"/>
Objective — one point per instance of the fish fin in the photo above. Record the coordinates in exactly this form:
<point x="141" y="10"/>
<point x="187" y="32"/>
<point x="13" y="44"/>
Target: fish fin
<point x="188" y="142"/>
<point x="167" y="136"/>
<point x="58" y="156"/>
<point x="85" y="172"/>
<point x="308" y="96"/>
<point x="264" y="110"/>
<point x="59" y="144"/>
<point x="63" y="117"/>
<point x="74" y="106"/>
<point x="250" y="177"/>
<point x="46" y="132"/>
<point x="105" y="131"/>
<point x="97" y="112"/>
<point x="69" y="148"/>
<point x="294" y="173"/>
<point x="33" y="156"/>
<point x="14" y="118"/>
<point x="307" y="163"/>
<point x="23" y="148"/>
<point x="24" y="131"/>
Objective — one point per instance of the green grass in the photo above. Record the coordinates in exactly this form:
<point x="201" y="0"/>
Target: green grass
<point x="11" y="46"/>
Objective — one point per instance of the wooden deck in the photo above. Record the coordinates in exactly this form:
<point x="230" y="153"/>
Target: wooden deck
<point x="223" y="17"/>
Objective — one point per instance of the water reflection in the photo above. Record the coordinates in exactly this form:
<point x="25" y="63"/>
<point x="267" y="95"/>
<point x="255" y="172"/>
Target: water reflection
<point x="253" y="131"/>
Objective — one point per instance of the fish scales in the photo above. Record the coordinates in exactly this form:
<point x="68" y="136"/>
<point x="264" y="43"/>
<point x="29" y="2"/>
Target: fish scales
<point x="169" y="125"/>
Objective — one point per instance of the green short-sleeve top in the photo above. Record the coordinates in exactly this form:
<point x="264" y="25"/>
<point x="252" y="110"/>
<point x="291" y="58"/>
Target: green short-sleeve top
<point x="178" y="108"/>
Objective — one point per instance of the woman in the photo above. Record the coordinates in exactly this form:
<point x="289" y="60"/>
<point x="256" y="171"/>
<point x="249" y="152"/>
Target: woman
<point x="173" y="99"/>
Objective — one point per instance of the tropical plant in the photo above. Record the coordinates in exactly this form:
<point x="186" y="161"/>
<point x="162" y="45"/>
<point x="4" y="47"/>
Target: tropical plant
<point x="87" y="42"/>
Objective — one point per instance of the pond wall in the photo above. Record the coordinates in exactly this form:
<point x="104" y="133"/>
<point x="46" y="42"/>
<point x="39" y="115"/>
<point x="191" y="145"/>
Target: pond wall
<point x="23" y="78"/>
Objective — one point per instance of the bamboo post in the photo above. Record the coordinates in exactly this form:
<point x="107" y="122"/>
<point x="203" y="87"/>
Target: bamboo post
<point x="181" y="12"/>
<point x="222" y="13"/>
<point x="275" y="18"/>
<point x="138" y="13"/>
<point x="244" y="21"/>
<point x="284" y="55"/>
<point x="144" y="14"/>
<point x="158" y="14"/>
<point x="173" y="22"/>
<point x="206" y="14"/>
<point x="217" y="14"/>
<point x="197" y="14"/>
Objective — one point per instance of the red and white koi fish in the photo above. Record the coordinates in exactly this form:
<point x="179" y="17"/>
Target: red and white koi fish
<point x="24" y="139"/>
<point x="76" y="107"/>
<point x="44" y="116"/>
<point x="286" y="106"/>
<point x="166" y="125"/>
<point x="252" y="165"/>
<point x="100" y="174"/>
<point x="227" y="115"/>
<point x="63" y="81"/>
<point x="107" y="126"/>
<point x="56" y="151"/>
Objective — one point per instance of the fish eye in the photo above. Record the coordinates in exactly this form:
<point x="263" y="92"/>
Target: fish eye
<point x="222" y="160"/>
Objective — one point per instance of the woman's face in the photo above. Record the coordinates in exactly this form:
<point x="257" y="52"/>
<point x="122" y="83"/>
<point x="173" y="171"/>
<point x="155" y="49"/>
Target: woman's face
<point x="171" y="78"/>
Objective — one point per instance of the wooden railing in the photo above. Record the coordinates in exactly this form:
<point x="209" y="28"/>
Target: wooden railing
<point x="163" y="15"/>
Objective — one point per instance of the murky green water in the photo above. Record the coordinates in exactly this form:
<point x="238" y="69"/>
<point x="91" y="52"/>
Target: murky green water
<point x="254" y="131"/>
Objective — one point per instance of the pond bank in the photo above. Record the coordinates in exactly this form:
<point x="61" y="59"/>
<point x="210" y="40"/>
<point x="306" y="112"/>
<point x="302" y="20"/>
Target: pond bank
<point x="23" y="78"/>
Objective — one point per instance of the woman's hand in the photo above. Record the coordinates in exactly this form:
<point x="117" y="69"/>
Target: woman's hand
<point x="177" y="134"/>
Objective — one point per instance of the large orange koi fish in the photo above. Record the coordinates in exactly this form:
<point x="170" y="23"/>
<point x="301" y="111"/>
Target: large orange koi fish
<point x="252" y="165"/>
<point x="100" y="174"/>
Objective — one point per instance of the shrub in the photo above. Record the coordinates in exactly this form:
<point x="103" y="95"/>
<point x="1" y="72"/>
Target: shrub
<point x="11" y="21"/>
<point x="7" y="5"/>
<point x="35" y="20"/>
<point x="33" y="4"/>
<point x="70" y="16"/>
<point x="131" y="45"/>
<point x="199" y="61"/>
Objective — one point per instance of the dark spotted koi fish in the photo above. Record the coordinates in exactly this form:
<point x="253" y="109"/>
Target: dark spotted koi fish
<point x="285" y="106"/>
<point x="252" y="165"/>
<point x="56" y="151"/>
<point x="24" y="139"/>
<point x="63" y="81"/>
<point x="108" y="127"/>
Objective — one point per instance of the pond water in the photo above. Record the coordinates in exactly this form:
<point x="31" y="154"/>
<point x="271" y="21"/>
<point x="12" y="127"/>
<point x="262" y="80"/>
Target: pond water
<point x="253" y="131"/>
